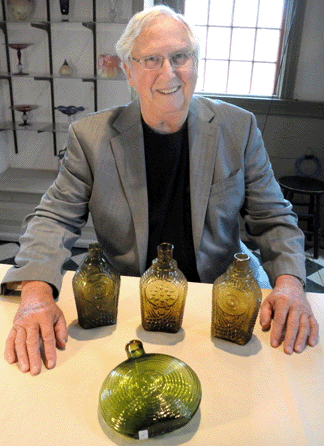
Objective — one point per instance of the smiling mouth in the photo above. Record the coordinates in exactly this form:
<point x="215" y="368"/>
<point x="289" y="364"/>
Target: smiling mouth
<point x="170" y="91"/>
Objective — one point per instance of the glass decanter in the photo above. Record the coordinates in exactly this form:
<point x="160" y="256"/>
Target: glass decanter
<point x="149" y="394"/>
<point x="163" y="289"/>
<point x="236" y="302"/>
<point x="96" y="286"/>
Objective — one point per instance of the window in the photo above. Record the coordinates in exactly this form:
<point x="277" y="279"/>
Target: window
<point x="242" y="43"/>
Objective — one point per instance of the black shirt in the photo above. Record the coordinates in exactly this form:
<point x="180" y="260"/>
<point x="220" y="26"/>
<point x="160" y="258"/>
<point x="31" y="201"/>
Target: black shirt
<point x="167" y="173"/>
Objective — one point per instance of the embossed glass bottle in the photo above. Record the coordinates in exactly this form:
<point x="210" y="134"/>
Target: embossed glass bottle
<point x="236" y="302"/>
<point x="163" y="289"/>
<point x="149" y="394"/>
<point x="96" y="286"/>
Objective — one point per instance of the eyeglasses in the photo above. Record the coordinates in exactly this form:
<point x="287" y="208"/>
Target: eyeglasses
<point x="154" y="62"/>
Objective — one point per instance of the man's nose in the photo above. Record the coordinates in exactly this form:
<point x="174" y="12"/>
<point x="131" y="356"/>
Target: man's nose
<point x="167" y="67"/>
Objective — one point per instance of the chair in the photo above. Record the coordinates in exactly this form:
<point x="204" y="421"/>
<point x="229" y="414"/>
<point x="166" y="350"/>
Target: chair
<point x="311" y="189"/>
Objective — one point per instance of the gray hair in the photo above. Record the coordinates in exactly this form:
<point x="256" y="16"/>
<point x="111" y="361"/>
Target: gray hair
<point x="143" y="20"/>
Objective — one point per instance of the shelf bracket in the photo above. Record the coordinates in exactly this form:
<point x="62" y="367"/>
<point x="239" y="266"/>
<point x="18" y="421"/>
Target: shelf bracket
<point x="89" y="25"/>
<point x="45" y="26"/>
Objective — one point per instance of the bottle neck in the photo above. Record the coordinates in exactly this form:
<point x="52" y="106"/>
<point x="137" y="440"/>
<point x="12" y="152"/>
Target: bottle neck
<point x="95" y="251"/>
<point x="134" y="349"/>
<point x="164" y="259"/>
<point x="241" y="266"/>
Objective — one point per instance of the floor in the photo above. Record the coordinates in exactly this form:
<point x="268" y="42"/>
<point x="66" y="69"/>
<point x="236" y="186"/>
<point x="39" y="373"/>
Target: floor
<point x="314" y="268"/>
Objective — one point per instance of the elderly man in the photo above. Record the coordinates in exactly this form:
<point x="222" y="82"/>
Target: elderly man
<point x="167" y="167"/>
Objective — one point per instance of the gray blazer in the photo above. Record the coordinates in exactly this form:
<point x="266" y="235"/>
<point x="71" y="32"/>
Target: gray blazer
<point x="103" y="173"/>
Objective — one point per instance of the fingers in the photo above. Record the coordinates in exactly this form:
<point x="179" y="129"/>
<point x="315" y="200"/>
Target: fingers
<point x="33" y="350"/>
<point x="49" y="343"/>
<point x="313" y="337"/>
<point x="10" y="351"/>
<point x="278" y="326"/>
<point x="301" y="329"/>
<point x="297" y="333"/>
<point x="23" y="342"/>
<point x="61" y="332"/>
<point x="265" y="315"/>
<point x="21" y="349"/>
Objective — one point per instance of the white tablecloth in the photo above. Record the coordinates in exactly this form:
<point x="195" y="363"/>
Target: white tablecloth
<point x="252" y="394"/>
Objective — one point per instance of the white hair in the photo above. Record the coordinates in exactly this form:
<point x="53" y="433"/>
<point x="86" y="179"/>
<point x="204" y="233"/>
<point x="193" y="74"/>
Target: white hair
<point x="143" y="20"/>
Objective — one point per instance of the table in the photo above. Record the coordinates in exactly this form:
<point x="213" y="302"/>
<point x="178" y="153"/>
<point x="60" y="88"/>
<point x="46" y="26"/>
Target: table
<point x="252" y="394"/>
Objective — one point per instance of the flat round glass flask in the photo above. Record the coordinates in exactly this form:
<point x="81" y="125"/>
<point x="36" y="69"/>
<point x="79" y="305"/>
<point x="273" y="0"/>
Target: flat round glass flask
<point x="149" y="394"/>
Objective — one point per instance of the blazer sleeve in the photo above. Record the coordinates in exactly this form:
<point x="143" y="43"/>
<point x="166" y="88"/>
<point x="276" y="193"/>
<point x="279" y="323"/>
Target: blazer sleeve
<point x="269" y="219"/>
<point x="49" y="233"/>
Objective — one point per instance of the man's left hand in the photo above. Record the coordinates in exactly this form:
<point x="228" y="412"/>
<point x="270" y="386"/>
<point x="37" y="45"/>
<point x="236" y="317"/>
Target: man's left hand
<point x="292" y="316"/>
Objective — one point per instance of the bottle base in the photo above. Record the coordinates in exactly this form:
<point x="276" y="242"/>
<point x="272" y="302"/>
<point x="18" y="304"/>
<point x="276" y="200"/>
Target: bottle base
<point x="236" y="336"/>
<point x="96" y="323"/>
<point x="161" y="326"/>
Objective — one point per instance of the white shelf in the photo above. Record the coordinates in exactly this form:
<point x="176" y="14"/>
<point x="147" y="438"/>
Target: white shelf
<point x="26" y="180"/>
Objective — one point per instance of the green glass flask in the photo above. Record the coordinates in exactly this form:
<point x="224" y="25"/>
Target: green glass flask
<point x="163" y="290"/>
<point x="236" y="302"/>
<point x="149" y="394"/>
<point x="96" y="286"/>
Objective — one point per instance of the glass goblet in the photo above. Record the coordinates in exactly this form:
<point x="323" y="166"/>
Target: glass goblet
<point x="24" y="109"/>
<point x="18" y="47"/>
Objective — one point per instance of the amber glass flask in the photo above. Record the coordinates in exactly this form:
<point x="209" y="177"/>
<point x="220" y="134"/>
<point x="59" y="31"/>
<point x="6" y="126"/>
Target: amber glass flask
<point x="236" y="302"/>
<point x="96" y="286"/>
<point x="163" y="289"/>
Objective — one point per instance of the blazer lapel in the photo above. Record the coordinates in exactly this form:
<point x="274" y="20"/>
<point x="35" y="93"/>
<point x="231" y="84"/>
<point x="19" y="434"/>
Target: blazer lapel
<point x="203" y="136"/>
<point x="128" y="149"/>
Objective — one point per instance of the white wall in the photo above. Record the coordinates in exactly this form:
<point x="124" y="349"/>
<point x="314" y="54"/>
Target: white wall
<point x="310" y="74"/>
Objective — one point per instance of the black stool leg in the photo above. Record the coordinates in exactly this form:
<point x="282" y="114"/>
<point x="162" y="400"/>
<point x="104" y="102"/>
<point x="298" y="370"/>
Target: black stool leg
<point x="311" y="211"/>
<point x="317" y="225"/>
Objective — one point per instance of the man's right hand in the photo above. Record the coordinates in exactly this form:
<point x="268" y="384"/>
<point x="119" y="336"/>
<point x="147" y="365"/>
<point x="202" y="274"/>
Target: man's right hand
<point x="38" y="317"/>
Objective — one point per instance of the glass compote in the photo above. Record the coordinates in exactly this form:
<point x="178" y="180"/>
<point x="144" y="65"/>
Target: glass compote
<point x="24" y="109"/>
<point x="19" y="47"/>
<point x="70" y="111"/>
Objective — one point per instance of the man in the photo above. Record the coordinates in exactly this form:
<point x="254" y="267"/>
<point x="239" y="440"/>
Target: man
<point x="167" y="167"/>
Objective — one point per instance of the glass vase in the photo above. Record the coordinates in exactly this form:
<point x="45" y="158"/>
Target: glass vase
<point x="236" y="302"/>
<point x="96" y="286"/>
<point x="20" y="10"/>
<point x="163" y="290"/>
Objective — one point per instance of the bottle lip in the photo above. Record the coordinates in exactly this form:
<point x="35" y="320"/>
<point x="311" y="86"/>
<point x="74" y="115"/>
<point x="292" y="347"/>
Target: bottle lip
<point x="134" y="349"/>
<point x="94" y="249"/>
<point x="165" y="252"/>
<point x="241" y="260"/>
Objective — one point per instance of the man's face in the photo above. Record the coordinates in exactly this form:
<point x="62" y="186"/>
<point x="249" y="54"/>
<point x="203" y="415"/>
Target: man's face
<point x="166" y="91"/>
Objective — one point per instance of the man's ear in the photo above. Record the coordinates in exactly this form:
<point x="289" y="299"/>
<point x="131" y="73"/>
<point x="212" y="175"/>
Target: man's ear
<point x="129" y="74"/>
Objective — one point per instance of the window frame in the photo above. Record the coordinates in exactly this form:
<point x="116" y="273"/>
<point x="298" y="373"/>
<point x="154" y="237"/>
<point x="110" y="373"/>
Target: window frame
<point x="283" y="104"/>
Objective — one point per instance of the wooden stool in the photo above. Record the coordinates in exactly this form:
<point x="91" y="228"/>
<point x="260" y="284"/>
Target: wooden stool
<point x="314" y="189"/>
